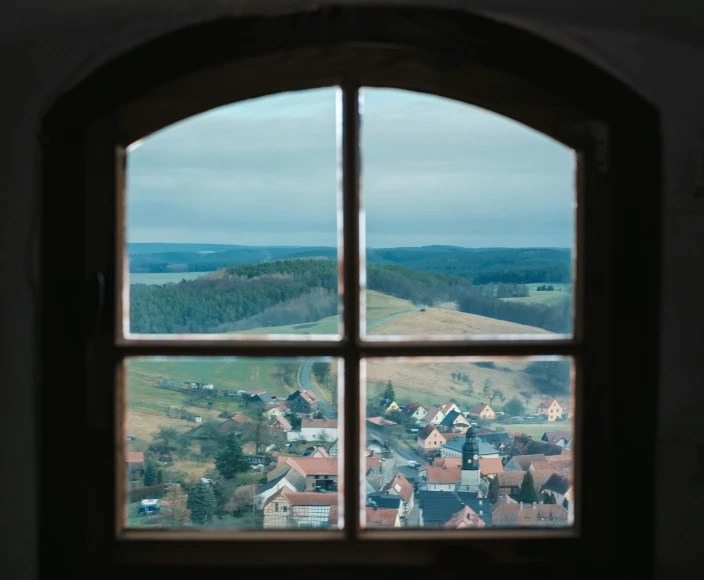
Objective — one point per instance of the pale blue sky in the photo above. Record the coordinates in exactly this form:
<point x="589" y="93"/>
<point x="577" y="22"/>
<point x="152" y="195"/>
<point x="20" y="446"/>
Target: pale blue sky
<point x="435" y="171"/>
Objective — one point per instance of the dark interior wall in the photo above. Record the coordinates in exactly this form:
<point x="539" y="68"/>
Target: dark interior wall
<point x="46" y="47"/>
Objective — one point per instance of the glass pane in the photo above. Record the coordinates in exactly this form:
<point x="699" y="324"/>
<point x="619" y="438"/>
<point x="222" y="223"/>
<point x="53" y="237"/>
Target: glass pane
<point x="232" y="443"/>
<point x="460" y="443"/>
<point x="232" y="220"/>
<point x="470" y="221"/>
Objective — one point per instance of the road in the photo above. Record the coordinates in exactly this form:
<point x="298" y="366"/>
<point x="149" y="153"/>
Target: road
<point x="303" y="377"/>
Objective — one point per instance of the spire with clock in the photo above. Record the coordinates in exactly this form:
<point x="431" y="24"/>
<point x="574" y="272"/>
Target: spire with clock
<point x="470" y="462"/>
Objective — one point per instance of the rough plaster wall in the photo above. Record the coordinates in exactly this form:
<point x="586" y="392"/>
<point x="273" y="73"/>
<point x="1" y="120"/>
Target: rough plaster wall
<point x="45" y="47"/>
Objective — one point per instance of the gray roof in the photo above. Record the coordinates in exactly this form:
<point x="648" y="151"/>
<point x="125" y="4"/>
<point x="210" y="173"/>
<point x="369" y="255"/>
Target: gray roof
<point x="556" y="483"/>
<point x="410" y="473"/>
<point x="484" y="448"/>
<point x="449" y="419"/>
<point x="439" y="506"/>
<point x="384" y="500"/>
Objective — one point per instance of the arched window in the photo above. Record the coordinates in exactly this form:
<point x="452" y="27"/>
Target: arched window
<point x="471" y="270"/>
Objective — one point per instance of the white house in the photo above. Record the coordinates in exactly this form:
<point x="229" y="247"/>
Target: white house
<point x="315" y="430"/>
<point x="434" y="416"/>
<point x="279" y="410"/>
<point x="415" y="411"/>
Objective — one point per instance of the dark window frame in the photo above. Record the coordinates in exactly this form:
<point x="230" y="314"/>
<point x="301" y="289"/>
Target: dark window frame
<point x="447" y="53"/>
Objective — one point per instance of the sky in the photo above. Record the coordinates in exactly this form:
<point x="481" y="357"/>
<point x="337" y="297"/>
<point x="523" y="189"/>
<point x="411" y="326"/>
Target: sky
<point x="434" y="171"/>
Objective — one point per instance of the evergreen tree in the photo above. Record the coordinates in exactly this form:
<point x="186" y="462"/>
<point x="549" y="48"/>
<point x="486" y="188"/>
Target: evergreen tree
<point x="160" y="477"/>
<point x="151" y="472"/>
<point x="389" y="394"/>
<point x="231" y="460"/>
<point x="527" y="494"/>
<point x="493" y="493"/>
<point x="548" y="498"/>
<point x="201" y="503"/>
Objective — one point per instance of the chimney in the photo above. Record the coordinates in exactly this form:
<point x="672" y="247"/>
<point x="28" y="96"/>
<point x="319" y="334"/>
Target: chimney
<point x="534" y="505"/>
<point x="521" y="506"/>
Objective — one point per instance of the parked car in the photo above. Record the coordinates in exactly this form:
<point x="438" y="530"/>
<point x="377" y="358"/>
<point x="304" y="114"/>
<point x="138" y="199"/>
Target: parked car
<point x="413" y="463"/>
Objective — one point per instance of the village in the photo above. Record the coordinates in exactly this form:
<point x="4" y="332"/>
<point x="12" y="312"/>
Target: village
<point x="440" y="466"/>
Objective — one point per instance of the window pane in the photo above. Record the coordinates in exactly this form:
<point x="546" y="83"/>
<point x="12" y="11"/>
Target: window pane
<point x="232" y="220"/>
<point x="469" y="220"/>
<point x="232" y="443"/>
<point x="457" y="442"/>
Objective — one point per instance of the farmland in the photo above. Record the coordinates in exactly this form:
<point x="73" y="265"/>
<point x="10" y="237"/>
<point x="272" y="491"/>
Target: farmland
<point x="547" y="297"/>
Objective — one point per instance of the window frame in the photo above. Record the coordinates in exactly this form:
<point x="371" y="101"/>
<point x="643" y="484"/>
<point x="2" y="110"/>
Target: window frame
<point x="441" y="52"/>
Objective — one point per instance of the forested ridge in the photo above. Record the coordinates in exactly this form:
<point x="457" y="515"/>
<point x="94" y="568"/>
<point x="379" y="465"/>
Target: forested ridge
<point x="477" y="265"/>
<point x="297" y="291"/>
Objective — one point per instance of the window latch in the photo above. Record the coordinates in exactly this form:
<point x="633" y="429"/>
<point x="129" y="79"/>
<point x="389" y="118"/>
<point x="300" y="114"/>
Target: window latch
<point x="595" y="130"/>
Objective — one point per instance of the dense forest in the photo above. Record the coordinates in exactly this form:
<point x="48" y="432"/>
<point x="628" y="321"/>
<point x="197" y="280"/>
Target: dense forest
<point x="297" y="291"/>
<point x="477" y="265"/>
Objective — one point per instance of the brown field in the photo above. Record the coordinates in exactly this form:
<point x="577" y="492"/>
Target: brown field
<point x="194" y="469"/>
<point x="143" y="423"/>
<point x="436" y="321"/>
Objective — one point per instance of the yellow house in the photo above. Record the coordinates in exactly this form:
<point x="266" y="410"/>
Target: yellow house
<point x="392" y="407"/>
<point x="550" y="407"/>
<point x="483" y="411"/>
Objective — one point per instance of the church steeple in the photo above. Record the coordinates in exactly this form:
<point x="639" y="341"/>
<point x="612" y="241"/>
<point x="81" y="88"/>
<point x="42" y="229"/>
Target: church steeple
<point x="470" y="450"/>
<point x="470" y="474"/>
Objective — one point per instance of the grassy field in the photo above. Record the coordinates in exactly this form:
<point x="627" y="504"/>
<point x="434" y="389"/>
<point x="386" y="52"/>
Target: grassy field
<point x="163" y="277"/>
<point x="549" y="298"/>
<point x="536" y="430"/>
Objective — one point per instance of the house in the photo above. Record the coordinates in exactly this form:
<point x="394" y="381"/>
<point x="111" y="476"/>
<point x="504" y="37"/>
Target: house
<point x="303" y="402"/>
<point x="377" y="517"/>
<point x="384" y="500"/>
<point x="557" y="485"/>
<point x="453" y="419"/>
<point x="430" y="440"/>
<point x="262" y="398"/>
<point x="287" y="477"/>
<point x="440" y="478"/>
<point x="560" y="465"/>
<point x="465" y="518"/>
<point x="134" y="462"/>
<point x="437" y="508"/>
<point x="433" y="417"/>
<point x="410" y="473"/>
<point x="377" y="424"/>
<point x="510" y="481"/>
<point x="528" y="446"/>
<point x="320" y="451"/>
<point x="280" y="409"/>
<point x="282" y="424"/>
<point x="450" y="406"/>
<point x="489" y="466"/>
<point x="393" y="406"/>
<point x="522" y="462"/>
<point x="567" y="411"/>
<point x="320" y="473"/>
<point x="415" y="411"/>
<point x="447" y="462"/>
<point x="401" y="487"/>
<point x="550" y="407"/>
<point x="235" y="423"/>
<point x="561" y="438"/>
<point x="532" y="515"/>
<point x="482" y="411"/>
<point x="289" y="509"/>
<point x="454" y="448"/>
<point x="316" y="430"/>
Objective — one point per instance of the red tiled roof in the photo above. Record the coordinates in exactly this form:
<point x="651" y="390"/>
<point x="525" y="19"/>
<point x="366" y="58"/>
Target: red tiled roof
<point x="490" y="465"/>
<point x="314" y="465"/>
<point x="134" y="457"/>
<point x="447" y="462"/>
<point x="411" y="408"/>
<point x="381" y="518"/>
<point x="427" y="431"/>
<point x="447" y="407"/>
<point x="516" y="514"/>
<point x="524" y="461"/>
<point x="401" y="486"/>
<point x="310" y="397"/>
<point x="284" y="422"/>
<point x="380" y="421"/>
<point x="319" y="423"/>
<point x="304" y="497"/>
<point x="443" y="475"/>
<point x="241" y="418"/>
<point x="431" y="414"/>
<point x="515" y="478"/>
<point x="465" y="518"/>
<point x="478" y="408"/>
<point x="373" y="462"/>
<point x="547" y="402"/>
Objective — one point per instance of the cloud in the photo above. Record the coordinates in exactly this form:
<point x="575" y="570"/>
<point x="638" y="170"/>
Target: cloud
<point x="434" y="172"/>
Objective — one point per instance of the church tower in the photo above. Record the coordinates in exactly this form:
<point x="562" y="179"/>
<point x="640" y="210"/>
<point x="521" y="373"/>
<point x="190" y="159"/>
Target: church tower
<point x="470" y="462"/>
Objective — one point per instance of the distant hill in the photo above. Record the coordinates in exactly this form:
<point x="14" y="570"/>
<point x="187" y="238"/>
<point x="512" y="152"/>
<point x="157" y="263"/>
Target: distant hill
<point x="286" y="292"/>
<point x="478" y="265"/>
